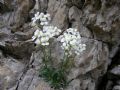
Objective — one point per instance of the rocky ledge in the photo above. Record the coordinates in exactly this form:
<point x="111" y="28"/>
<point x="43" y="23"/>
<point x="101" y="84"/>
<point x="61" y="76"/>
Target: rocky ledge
<point x="98" y="22"/>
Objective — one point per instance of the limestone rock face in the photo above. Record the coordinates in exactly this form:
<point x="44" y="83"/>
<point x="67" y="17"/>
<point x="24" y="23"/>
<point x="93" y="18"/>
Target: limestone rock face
<point x="98" y="22"/>
<point x="18" y="12"/>
<point x="10" y="72"/>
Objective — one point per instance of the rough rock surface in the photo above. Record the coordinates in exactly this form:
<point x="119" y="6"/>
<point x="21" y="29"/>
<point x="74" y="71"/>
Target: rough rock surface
<point x="98" y="22"/>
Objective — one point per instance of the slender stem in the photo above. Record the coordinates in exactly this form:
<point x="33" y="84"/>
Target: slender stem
<point x="64" y="62"/>
<point x="44" y="56"/>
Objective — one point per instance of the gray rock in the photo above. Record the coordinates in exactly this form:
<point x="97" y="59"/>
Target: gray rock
<point x="93" y="57"/>
<point x="116" y="71"/>
<point x="116" y="88"/>
<point x="58" y="12"/>
<point x="10" y="71"/>
<point x="38" y="84"/>
<point x="88" y="84"/>
<point x="75" y="20"/>
<point x="109" y="85"/>
<point x="74" y="85"/>
<point x="1" y="54"/>
<point x="61" y="23"/>
<point x="78" y="3"/>
<point x="19" y="13"/>
<point x="98" y="22"/>
<point x="14" y="43"/>
<point x="26" y="81"/>
<point x="118" y="82"/>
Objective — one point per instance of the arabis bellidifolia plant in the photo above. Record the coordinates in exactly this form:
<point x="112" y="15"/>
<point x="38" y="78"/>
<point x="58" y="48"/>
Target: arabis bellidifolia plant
<point x="56" y="75"/>
<point x="71" y="42"/>
<point x="42" y="18"/>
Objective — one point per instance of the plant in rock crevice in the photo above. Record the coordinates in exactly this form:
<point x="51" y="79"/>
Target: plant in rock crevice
<point x="71" y="42"/>
<point x="56" y="76"/>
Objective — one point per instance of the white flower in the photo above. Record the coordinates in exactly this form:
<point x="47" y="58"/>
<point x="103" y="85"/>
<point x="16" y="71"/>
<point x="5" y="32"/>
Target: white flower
<point x="51" y="31"/>
<point x="42" y="23"/>
<point x="42" y="37"/>
<point x="46" y="23"/>
<point x="64" y="44"/>
<point x="36" y="17"/>
<point x="63" y="40"/>
<point x="48" y="16"/>
<point x="36" y="33"/>
<point x="42" y="18"/>
<point x="37" y="41"/>
<point x="41" y="15"/>
<point x="71" y="41"/>
<point x="33" y="38"/>
<point x="45" y="44"/>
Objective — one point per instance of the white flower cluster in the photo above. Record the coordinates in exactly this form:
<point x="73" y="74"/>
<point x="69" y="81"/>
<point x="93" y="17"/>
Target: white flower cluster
<point x="71" y="41"/>
<point x="42" y="37"/>
<point x="51" y="31"/>
<point x="42" y="18"/>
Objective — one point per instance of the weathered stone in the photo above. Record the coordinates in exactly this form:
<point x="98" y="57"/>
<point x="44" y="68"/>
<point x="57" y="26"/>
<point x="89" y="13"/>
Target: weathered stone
<point x="109" y="85"/>
<point x="97" y="20"/>
<point x="17" y="44"/>
<point x="61" y="23"/>
<point x="75" y="21"/>
<point x="43" y="86"/>
<point x="59" y="13"/>
<point x="78" y="3"/>
<point x="74" y="85"/>
<point x="18" y="49"/>
<point x="116" y="88"/>
<point x="10" y="70"/>
<point x="116" y="71"/>
<point x="26" y="81"/>
<point x="31" y="81"/>
<point x="88" y="84"/>
<point x="20" y="12"/>
<point x="1" y="54"/>
<point x="118" y="82"/>
<point x="92" y="59"/>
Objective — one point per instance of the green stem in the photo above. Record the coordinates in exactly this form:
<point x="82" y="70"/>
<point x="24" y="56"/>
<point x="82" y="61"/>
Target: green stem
<point x="65" y="62"/>
<point x="44" y="56"/>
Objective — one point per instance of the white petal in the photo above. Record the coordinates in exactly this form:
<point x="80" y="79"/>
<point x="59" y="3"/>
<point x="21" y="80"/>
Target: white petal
<point x="48" y="15"/>
<point x="73" y="42"/>
<point x="47" y="43"/>
<point x="57" y="33"/>
<point x="62" y="40"/>
<point x="42" y="23"/>
<point x="43" y="19"/>
<point x="64" y="44"/>
<point x="33" y="38"/>
<point x="46" y="23"/>
<point x="41" y="14"/>
<point x="66" y="48"/>
<point x="37" y="42"/>
<point x="43" y="44"/>
<point x="59" y="30"/>
<point x="43" y="39"/>
<point x="36" y="32"/>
